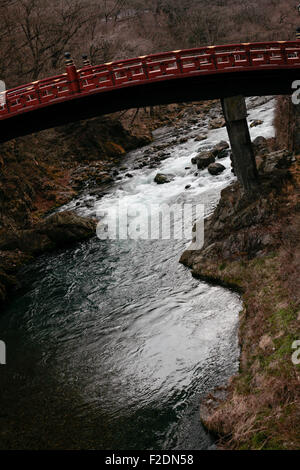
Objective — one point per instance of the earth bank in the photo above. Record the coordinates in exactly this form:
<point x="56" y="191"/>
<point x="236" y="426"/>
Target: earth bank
<point x="252" y="245"/>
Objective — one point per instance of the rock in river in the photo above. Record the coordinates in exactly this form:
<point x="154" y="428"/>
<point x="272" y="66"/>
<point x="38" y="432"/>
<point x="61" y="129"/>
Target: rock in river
<point x="203" y="159"/>
<point x="221" y="149"/>
<point x="216" y="168"/>
<point x="60" y="229"/>
<point x="217" y="123"/>
<point x="160" y="178"/>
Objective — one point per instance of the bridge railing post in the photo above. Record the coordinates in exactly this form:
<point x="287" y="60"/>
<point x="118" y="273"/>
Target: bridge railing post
<point x="73" y="77"/>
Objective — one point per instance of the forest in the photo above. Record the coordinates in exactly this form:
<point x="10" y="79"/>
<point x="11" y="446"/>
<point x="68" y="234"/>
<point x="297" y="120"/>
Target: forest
<point x="35" y="35"/>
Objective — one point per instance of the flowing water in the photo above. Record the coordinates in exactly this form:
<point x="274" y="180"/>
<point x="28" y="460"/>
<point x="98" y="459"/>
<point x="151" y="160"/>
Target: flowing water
<point x="111" y="344"/>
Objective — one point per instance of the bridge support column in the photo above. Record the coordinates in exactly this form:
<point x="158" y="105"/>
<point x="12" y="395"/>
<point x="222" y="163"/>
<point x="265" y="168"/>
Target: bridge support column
<point x="235" y="113"/>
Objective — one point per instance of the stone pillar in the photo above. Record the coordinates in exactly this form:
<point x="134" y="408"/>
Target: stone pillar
<point x="235" y="113"/>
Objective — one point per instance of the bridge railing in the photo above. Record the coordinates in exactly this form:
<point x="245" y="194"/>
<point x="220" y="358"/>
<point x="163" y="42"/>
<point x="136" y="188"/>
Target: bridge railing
<point x="35" y="93"/>
<point x="204" y="60"/>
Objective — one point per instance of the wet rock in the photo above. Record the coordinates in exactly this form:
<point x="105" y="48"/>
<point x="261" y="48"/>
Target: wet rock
<point x="129" y="175"/>
<point x="161" y="178"/>
<point x="66" y="227"/>
<point x="154" y="164"/>
<point x="183" y="140"/>
<point x="200" y="138"/>
<point x="210" y="404"/>
<point x="104" y="178"/>
<point x="217" y="123"/>
<point x="162" y="156"/>
<point x="55" y="231"/>
<point x="221" y="150"/>
<point x="260" y="145"/>
<point x="188" y="186"/>
<point x="281" y="159"/>
<point x="256" y="122"/>
<point x="216" y="168"/>
<point x="203" y="159"/>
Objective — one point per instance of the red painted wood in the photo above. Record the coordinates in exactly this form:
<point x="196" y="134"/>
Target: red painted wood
<point x="154" y="67"/>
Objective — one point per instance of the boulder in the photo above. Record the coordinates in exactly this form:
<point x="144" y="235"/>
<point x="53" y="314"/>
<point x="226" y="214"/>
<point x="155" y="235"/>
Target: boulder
<point x="221" y="150"/>
<point x="203" y="159"/>
<point x="161" y="178"/>
<point x="217" y="123"/>
<point x="260" y="145"/>
<point x="216" y="168"/>
<point x="57" y="230"/>
<point x="282" y="159"/>
<point x="66" y="227"/>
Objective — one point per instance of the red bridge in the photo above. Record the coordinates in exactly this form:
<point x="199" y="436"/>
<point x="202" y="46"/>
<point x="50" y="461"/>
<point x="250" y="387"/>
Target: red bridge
<point x="256" y="69"/>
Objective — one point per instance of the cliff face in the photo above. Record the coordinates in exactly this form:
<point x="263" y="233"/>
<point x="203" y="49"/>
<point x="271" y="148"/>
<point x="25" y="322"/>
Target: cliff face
<point x="252" y="244"/>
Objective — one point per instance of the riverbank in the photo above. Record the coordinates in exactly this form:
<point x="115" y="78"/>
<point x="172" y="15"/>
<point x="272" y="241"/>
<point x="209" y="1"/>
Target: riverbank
<point x="252" y="244"/>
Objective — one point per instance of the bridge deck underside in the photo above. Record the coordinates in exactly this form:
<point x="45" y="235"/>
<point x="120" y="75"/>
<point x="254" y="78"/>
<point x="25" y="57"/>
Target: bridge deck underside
<point x="185" y="89"/>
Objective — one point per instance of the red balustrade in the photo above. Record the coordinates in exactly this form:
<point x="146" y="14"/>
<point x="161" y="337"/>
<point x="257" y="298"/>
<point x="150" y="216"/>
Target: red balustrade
<point x="163" y="66"/>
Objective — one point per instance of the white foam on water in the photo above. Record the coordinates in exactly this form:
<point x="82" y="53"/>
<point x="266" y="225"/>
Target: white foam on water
<point x="142" y="190"/>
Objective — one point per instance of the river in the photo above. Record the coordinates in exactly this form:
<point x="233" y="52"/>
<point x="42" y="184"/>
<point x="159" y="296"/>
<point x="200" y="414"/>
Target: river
<point x="111" y="344"/>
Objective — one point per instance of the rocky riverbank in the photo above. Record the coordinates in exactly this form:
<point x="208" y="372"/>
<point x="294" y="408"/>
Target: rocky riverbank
<point x="252" y="244"/>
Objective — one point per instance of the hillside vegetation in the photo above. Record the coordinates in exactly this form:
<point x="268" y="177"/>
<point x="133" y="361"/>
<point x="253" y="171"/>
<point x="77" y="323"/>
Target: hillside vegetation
<point x="35" y="34"/>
